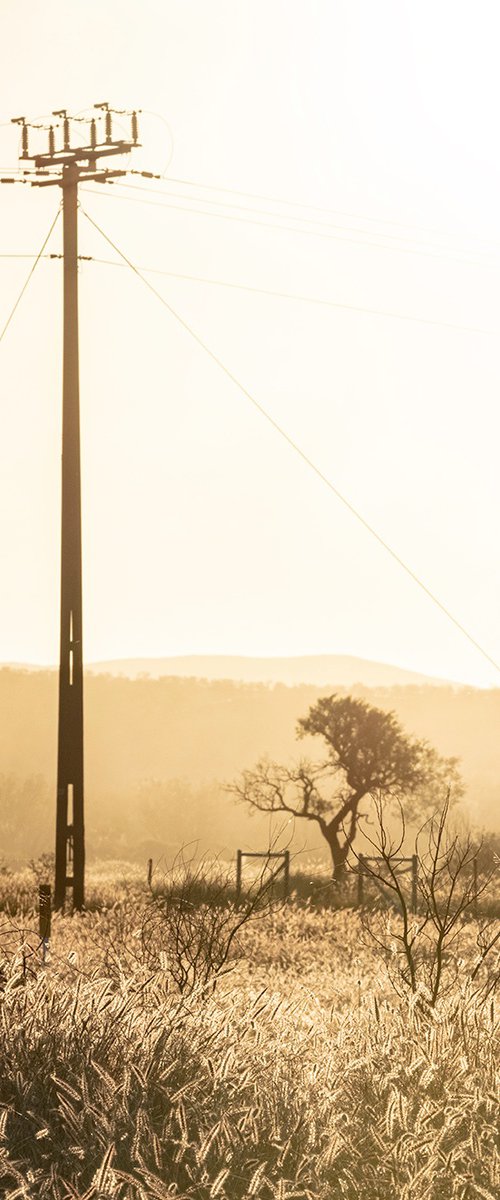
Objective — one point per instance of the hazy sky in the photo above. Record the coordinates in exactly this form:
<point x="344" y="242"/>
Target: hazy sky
<point x="203" y="532"/>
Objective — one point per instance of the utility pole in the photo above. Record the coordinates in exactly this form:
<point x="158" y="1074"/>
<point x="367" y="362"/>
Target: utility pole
<point x="66" y="167"/>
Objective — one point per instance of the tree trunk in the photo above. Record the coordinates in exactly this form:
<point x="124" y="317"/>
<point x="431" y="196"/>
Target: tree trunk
<point x="339" y="850"/>
<point x="339" y="855"/>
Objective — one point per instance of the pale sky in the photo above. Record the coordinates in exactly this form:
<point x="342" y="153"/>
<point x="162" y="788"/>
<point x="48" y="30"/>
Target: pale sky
<point x="203" y="532"/>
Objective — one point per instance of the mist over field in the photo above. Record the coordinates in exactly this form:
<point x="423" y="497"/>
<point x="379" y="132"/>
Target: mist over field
<point x="159" y="752"/>
<point x="249" y="380"/>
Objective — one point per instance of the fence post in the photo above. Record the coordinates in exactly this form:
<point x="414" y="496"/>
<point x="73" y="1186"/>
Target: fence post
<point x="475" y="906"/>
<point x="150" y="871"/>
<point x="286" y="874"/>
<point x="361" y="861"/>
<point x="238" y="874"/>
<point x="414" y="881"/>
<point x="44" y="916"/>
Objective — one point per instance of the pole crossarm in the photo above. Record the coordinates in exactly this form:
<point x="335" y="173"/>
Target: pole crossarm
<point x="86" y="153"/>
<point x="83" y="177"/>
<point x="66" y="166"/>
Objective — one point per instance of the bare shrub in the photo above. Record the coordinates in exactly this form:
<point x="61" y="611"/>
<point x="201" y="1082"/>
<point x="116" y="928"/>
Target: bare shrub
<point x="426" y="951"/>
<point x="189" y="926"/>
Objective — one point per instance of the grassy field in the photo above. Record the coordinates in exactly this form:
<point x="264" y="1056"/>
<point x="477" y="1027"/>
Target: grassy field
<point x="301" y="1074"/>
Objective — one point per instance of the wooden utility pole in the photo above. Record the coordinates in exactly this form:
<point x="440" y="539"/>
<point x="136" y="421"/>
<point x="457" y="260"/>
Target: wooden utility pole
<point x="66" y="167"/>
<point x="70" y="838"/>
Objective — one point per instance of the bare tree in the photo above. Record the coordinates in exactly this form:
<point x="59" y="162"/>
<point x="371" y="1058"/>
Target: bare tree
<point x="368" y="753"/>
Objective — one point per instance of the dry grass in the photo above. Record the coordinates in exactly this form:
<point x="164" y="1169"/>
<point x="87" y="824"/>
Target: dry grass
<point x="301" y="1076"/>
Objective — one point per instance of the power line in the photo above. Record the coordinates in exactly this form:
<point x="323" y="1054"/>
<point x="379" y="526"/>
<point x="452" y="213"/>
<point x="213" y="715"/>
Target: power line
<point x="301" y="453"/>
<point x="264" y="212"/>
<point x="27" y="281"/>
<point x="53" y="257"/>
<point x="278" y="295"/>
<point x="299" y="204"/>
<point x="159" y="116"/>
<point x="430" y="239"/>
<point x="32" y="256"/>
<point x="278" y="224"/>
<point x="300" y="298"/>
<point x="221" y="189"/>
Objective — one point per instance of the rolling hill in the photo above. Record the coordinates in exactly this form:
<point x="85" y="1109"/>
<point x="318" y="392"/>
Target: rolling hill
<point x="159" y="752"/>
<point x="321" y="670"/>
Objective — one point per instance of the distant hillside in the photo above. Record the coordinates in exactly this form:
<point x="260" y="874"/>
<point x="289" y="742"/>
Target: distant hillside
<point x="321" y="670"/>
<point x="159" y="751"/>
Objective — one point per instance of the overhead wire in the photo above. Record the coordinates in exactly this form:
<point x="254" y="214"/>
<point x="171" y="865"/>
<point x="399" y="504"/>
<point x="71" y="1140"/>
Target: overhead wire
<point x="279" y="225"/>
<point x="159" y="116"/>
<point x="299" y="217"/>
<point x="262" y="196"/>
<point x="2" y="256"/>
<point x="29" y="277"/>
<point x="224" y="216"/>
<point x="297" y="449"/>
<point x="222" y="189"/>
<point x="264" y="212"/>
<point x="299" y="204"/>
<point x="396" y="237"/>
<point x="302" y="298"/>
<point x="298" y="297"/>
<point x="32" y="256"/>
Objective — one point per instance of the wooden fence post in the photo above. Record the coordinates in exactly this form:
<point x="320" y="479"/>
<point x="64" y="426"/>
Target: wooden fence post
<point x="414" y="882"/>
<point x="286" y="874"/>
<point x="44" y="916"/>
<point x="238" y="874"/>
<point x="150" y="871"/>
<point x="360" y="880"/>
